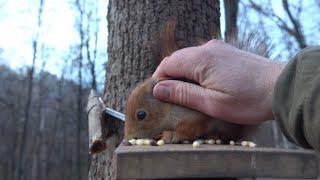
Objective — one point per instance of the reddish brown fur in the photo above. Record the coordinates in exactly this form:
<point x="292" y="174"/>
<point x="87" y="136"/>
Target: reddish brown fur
<point x="167" y="41"/>
<point x="191" y="129"/>
<point x="179" y="123"/>
<point x="176" y="123"/>
<point x="142" y="98"/>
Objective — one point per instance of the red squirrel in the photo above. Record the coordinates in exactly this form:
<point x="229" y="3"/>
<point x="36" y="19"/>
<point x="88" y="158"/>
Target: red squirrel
<point x="148" y="117"/>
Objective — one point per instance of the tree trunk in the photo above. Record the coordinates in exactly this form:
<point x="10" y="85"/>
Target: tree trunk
<point x="22" y="153"/>
<point x="231" y="11"/>
<point x="134" y="28"/>
<point x="80" y="59"/>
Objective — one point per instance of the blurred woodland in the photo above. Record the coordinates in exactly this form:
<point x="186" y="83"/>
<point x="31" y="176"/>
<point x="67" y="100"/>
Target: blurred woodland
<point x="43" y="120"/>
<point x="43" y="123"/>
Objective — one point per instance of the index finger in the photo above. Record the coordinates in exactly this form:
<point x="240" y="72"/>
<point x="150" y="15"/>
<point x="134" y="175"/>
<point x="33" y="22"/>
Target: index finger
<point x="179" y="65"/>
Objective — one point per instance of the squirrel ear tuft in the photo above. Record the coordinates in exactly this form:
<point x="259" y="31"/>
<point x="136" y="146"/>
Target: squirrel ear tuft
<point x="168" y="42"/>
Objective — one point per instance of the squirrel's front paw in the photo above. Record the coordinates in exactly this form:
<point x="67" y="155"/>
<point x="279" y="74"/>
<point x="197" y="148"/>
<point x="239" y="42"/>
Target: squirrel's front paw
<point x="171" y="137"/>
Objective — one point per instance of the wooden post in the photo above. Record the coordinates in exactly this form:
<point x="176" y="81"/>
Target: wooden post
<point x="96" y="119"/>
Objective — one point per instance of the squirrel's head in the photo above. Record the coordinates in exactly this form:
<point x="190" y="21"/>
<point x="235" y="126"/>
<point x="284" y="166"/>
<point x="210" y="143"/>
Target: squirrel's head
<point x="145" y="115"/>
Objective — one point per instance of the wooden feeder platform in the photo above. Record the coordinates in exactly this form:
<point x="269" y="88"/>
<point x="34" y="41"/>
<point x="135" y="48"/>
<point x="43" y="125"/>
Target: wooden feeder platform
<point x="207" y="161"/>
<point x="213" y="161"/>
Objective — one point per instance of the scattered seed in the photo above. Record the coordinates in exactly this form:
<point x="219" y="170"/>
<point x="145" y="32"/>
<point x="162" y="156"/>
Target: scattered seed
<point x="211" y="141"/>
<point x="218" y="141"/>
<point x="160" y="142"/>
<point x="251" y="144"/>
<point x="133" y="141"/>
<point x="195" y="144"/>
<point x="140" y="142"/>
<point x="232" y="143"/>
<point x="146" y="142"/>
<point x="244" y="143"/>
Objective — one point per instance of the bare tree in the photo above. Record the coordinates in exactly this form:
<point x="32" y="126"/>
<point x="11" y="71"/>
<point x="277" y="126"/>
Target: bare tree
<point x="92" y="24"/>
<point x="133" y="52"/>
<point x="291" y="25"/>
<point x="79" y="4"/>
<point x="231" y="13"/>
<point x="50" y="146"/>
<point x="37" y="165"/>
<point x="29" y="91"/>
<point x="61" y="126"/>
<point x="87" y="27"/>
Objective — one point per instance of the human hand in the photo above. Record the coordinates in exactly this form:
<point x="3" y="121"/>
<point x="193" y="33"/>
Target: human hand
<point x="234" y="85"/>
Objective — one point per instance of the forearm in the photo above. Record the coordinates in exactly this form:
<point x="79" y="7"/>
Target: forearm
<point x="296" y="100"/>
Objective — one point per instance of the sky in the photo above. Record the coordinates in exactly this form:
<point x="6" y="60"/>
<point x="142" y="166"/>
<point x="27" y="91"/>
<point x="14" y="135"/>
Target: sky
<point x="18" y="20"/>
<point x="16" y="29"/>
<point x="309" y="18"/>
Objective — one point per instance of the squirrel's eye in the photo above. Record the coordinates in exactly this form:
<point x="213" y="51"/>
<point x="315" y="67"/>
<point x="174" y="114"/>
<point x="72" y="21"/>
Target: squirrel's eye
<point x="141" y="114"/>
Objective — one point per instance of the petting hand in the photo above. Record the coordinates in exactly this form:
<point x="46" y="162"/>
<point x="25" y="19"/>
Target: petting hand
<point x="234" y="85"/>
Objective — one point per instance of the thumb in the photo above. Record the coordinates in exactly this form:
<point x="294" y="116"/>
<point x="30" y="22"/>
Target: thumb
<point x="186" y="94"/>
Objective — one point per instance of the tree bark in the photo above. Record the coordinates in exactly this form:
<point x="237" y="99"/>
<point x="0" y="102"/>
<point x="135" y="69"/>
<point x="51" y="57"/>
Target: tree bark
<point x="133" y="43"/>
<point x="231" y="11"/>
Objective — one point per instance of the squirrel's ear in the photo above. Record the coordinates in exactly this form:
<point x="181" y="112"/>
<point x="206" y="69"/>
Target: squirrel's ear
<point x="168" y="42"/>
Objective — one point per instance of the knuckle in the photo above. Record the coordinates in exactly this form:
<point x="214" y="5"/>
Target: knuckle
<point x="181" y="94"/>
<point x="214" y="42"/>
<point x="161" y="69"/>
<point x="164" y="62"/>
<point x="214" y="45"/>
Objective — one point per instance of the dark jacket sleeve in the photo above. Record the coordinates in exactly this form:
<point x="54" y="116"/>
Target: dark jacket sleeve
<point x="296" y="101"/>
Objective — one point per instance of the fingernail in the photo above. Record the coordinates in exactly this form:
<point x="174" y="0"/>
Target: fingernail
<point x="162" y="92"/>
<point x="153" y="82"/>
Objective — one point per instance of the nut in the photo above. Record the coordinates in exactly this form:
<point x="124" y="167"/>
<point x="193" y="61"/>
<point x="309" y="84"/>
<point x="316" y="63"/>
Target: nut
<point x="195" y="144"/>
<point x="140" y="142"/>
<point x="146" y="142"/>
<point x="244" y="143"/>
<point x="160" y="142"/>
<point x="251" y="144"/>
<point x="211" y="141"/>
<point x="133" y="141"/>
<point x="218" y="141"/>
<point x="232" y="143"/>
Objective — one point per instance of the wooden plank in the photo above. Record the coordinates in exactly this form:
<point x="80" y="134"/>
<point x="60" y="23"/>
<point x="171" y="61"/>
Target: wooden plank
<point x="207" y="161"/>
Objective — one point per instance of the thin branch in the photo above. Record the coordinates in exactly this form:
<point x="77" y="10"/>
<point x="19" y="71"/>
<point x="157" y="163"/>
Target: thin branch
<point x="295" y="31"/>
<point x="22" y="153"/>
<point x="296" y="24"/>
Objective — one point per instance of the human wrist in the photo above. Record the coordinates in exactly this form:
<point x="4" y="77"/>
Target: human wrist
<point x="275" y="70"/>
